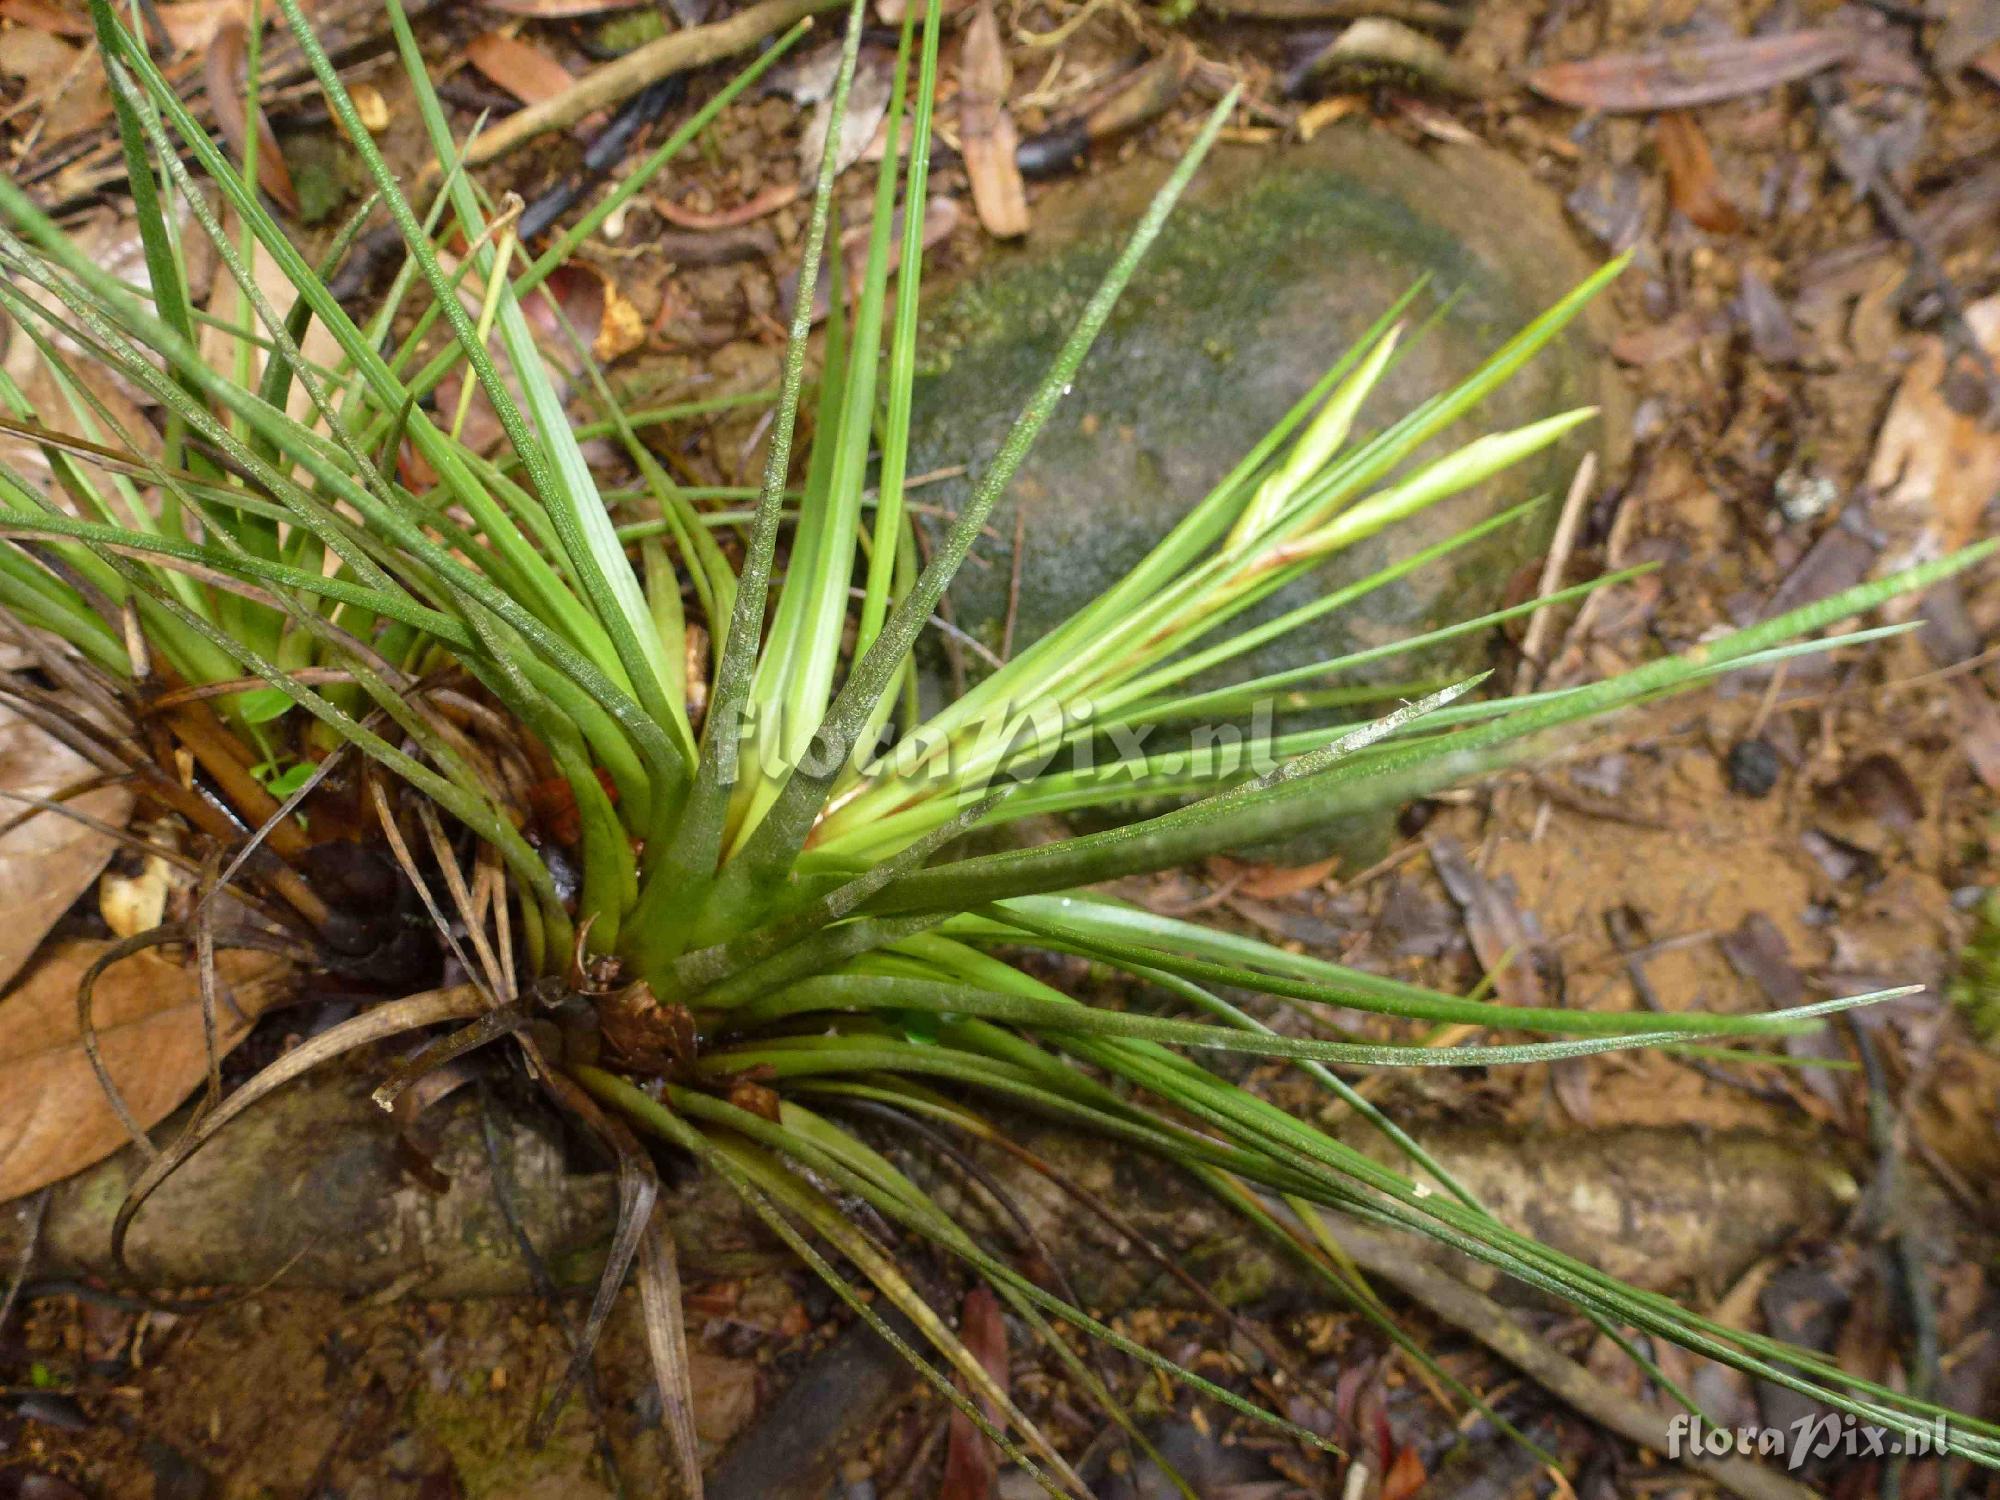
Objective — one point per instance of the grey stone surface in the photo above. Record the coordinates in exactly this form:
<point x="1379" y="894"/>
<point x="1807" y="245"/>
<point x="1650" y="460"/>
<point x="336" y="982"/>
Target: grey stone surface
<point x="1268" y="269"/>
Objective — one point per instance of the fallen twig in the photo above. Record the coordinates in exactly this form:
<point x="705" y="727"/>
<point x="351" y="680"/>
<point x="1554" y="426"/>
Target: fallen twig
<point x="675" y="53"/>
<point x="1681" y="77"/>
<point x="1564" y="543"/>
<point x="603" y="154"/>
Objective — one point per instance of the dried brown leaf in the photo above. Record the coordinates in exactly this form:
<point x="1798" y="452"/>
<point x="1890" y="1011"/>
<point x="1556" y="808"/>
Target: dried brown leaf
<point x="778" y="195"/>
<point x="1981" y="739"/>
<point x="49" y="860"/>
<point x="1757" y="951"/>
<point x="970" y="1462"/>
<point x="1936" y="467"/>
<point x="1499" y="932"/>
<point x="666" y="1340"/>
<point x="1681" y="77"/>
<point x="192" y="24"/>
<point x="1406" y="1476"/>
<point x="987" y="137"/>
<point x="1651" y="343"/>
<point x="63" y="79"/>
<point x="227" y="74"/>
<point x="521" y="68"/>
<point x="46" y="15"/>
<point x="1774" y="338"/>
<point x="1692" y="181"/>
<point x="867" y="111"/>
<point x="1145" y="93"/>
<point x="725" y="1396"/>
<point x="147" y="1014"/>
<point x="891" y="12"/>
<point x="1274" y="882"/>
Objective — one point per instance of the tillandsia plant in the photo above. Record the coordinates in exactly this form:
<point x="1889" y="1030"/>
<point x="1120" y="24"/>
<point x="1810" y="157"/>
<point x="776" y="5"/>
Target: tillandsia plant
<point x="710" y="907"/>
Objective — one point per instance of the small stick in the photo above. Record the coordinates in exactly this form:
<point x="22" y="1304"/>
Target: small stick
<point x="677" y="52"/>
<point x="1540" y="623"/>
<point x="603" y="154"/>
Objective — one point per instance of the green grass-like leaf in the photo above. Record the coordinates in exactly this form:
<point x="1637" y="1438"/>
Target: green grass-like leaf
<point x="483" y="630"/>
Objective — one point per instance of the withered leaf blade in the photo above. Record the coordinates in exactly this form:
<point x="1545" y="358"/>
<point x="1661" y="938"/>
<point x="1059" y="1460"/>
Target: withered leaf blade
<point x="521" y="68"/>
<point x="970" y="1463"/>
<point x="860" y="127"/>
<point x="147" y="1013"/>
<point x="1692" y="180"/>
<point x="987" y="138"/>
<point x="1507" y="947"/>
<point x="1681" y="77"/>
<point x="63" y="85"/>
<point x="48" y="860"/>
<point x="191" y="25"/>
<point x="1935" y="467"/>
<point x="1980" y="738"/>
<point x="227" y="59"/>
<point x="46" y="15"/>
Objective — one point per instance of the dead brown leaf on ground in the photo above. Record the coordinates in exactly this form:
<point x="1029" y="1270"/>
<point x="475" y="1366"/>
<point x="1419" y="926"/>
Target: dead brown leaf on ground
<point x="1981" y="740"/>
<point x="1494" y="922"/>
<point x="725" y="1395"/>
<point x="147" y="1015"/>
<point x="867" y="109"/>
<point x="63" y="81"/>
<point x="49" y="860"/>
<point x="970" y="1461"/>
<point x="778" y="195"/>
<point x="1692" y="181"/>
<point x="521" y="68"/>
<point x="1936" y="466"/>
<point x="193" y="24"/>
<point x="987" y="137"/>
<point x="1681" y="77"/>
<point x="228" y="56"/>
<point x="1272" y="882"/>
<point x="46" y="15"/>
<point x="891" y="12"/>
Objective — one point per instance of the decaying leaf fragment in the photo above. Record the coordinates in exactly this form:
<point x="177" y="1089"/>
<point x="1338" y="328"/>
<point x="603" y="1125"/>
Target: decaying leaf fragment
<point x="1683" y="76"/>
<point x="228" y="56"/>
<point x="1692" y="180"/>
<point x="986" y="131"/>
<point x="521" y="68"/>
<point x="48" y="860"/>
<point x="1936" y="466"/>
<point x="54" y="1119"/>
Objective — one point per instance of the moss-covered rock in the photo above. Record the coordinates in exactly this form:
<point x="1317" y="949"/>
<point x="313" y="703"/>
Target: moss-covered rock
<point x="1274" y="262"/>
